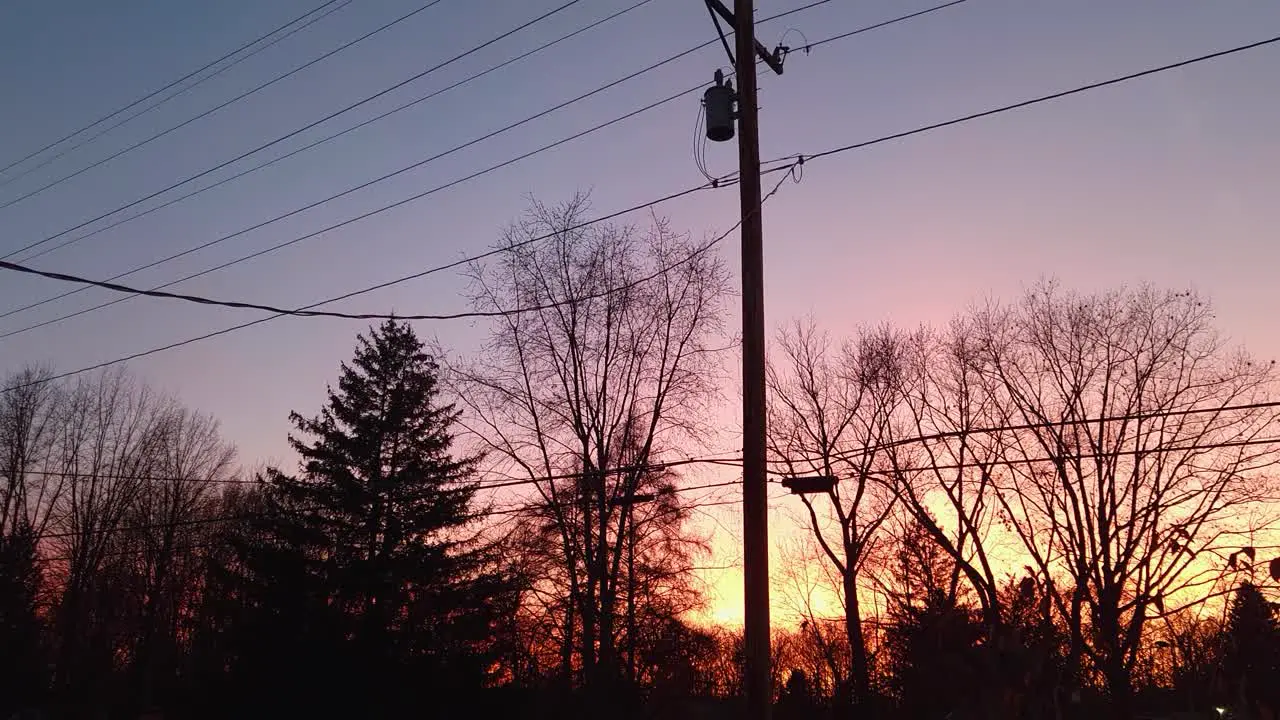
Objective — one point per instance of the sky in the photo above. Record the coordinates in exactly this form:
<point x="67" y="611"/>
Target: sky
<point x="1168" y="180"/>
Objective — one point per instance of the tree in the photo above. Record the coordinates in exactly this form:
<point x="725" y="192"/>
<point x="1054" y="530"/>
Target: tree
<point x="820" y="644"/>
<point x="942" y="465"/>
<point x="613" y="360"/>
<point x="832" y="413"/>
<point x="191" y="462"/>
<point x="106" y="447"/>
<point x="23" y="662"/>
<point x="1127" y="470"/>
<point x="29" y="415"/>
<point x="366" y="555"/>
<point x="934" y="637"/>
<point x="111" y="478"/>
<point x="796" y="701"/>
<point x="1251" y="661"/>
<point x="29" y="407"/>
<point x="1193" y="651"/>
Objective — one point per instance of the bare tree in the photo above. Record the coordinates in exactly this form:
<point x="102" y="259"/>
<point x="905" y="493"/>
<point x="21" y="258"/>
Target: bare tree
<point x="191" y="463"/>
<point x="107" y="446"/>
<point x="619" y="362"/>
<point x="943" y="467"/>
<point x="833" y="412"/>
<point x="804" y="576"/>
<point x="656" y="583"/>
<point x="1130" y="477"/>
<point x="943" y="460"/>
<point x="29" y="416"/>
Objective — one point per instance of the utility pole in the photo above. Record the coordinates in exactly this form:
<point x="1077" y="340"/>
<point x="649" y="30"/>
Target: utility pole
<point x="755" y="495"/>
<point x="755" y="498"/>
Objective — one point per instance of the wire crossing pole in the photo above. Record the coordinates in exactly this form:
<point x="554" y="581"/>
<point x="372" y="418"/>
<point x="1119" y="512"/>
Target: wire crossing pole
<point x="755" y="510"/>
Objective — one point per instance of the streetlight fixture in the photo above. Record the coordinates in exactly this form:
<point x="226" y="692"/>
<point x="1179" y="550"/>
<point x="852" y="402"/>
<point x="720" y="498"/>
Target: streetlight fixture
<point x="809" y="485"/>
<point x="633" y="499"/>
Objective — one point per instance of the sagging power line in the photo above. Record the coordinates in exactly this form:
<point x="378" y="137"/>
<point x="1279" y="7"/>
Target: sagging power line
<point x="362" y="186"/>
<point x="697" y="252"/>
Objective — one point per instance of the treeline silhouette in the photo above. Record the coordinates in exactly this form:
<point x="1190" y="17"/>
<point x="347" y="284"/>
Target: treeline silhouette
<point x="1058" y="508"/>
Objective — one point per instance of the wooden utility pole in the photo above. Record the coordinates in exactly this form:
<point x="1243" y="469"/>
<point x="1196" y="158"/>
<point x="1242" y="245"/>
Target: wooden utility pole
<point x="755" y="498"/>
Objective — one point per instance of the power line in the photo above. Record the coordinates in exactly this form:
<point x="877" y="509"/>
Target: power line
<point x="810" y="158"/>
<point x="343" y="223"/>
<point x="291" y="153"/>
<point x="800" y="159"/>
<point x="216" y="108"/>
<point x="989" y="430"/>
<point x="4" y="264"/>
<point x="424" y="273"/>
<point x="248" y="516"/>
<point x="215" y="544"/>
<point x="180" y="80"/>
<point x="706" y="486"/>
<point x="384" y="208"/>
<point x="297" y="131"/>
<point x="167" y="98"/>
<point x="369" y="183"/>
<point x="472" y="516"/>
<point x="509" y="482"/>
<point x="1052" y="96"/>
<point x="241" y="326"/>
<point x="350" y="221"/>
<point x="1090" y="455"/>
<point x="734" y="461"/>
<point x="809" y="46"/>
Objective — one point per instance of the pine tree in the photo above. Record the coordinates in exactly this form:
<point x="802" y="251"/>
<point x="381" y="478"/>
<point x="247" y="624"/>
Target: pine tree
<point x="367" y="550"/>
<point x="934" y="641"/>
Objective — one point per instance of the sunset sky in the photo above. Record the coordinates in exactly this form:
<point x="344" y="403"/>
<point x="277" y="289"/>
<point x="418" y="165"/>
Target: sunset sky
<point x="1170" y="179"/>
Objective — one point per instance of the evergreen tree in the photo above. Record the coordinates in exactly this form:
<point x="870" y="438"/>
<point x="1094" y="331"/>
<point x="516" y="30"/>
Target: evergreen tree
<point x="934" y="641"/>
<point x="364" y="560"/>
<point x="1252" y="658"/>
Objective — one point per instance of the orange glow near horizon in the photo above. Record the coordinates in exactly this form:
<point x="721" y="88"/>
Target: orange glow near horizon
<point x="722" y="576"/>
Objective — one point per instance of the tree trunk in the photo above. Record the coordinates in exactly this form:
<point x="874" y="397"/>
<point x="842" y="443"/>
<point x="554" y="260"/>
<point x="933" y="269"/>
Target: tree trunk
<point x="1119" y="688"/>
<point x="1116" y="672"/>
<point x="587" y="597"/>
<point x="859" y="672"/>
<point x="631" y="597"/>
<point x="566" y="647"/>
<point x="606" y="662"/>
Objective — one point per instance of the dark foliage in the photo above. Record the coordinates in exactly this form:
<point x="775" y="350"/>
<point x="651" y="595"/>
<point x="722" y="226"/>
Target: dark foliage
<point x="1251" y="657"/>
<point x="361" y="576"/>
<point x="934" y="642"/>
<point x="936" y="658"/>
<point x="23" y="665"/>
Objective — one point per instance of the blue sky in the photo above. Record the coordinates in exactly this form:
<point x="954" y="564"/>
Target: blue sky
<point x="1169" y="180"/>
